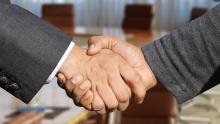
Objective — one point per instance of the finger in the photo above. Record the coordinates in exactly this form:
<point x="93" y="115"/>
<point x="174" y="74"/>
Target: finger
<point x="87" y="100"/>
<point x="134" y="81"/>
<point x="98" y="104"/>
<point x="107" y="96"/>
<point x="123" y="106"/>
<point x="81" y="90"/>
<point x="61" y="79"/>
<point x="72" y="84"/>
<point x="119" y="87"/>
<point x="97" y="43"/>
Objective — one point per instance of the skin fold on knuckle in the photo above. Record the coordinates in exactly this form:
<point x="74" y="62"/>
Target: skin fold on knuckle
<point x="88" y="100"/>
<point x="98" y="106"/>
<point x="97" y="103"/>
<point x="113" y="105"/>
<point x="107" y="94"/>
<point x="136" y="78"/>
<point x="80" y="93"/>
<point x="123" y="96"/>
<point x="119" y="88"/>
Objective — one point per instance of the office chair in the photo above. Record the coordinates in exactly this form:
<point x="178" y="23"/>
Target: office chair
<point x="138" y="17"/>
<point x="159" y="107"/>
<point x="197" y="12"/>
<point x="60" y="15"/>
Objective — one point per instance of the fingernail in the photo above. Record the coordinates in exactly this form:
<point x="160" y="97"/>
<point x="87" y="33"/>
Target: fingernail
<point x="77" y="79"/>
<point x="84" y="85"/>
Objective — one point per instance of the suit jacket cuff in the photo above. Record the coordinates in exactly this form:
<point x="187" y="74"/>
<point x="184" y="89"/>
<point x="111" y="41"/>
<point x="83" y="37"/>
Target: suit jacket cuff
<point x="60" y="63"/>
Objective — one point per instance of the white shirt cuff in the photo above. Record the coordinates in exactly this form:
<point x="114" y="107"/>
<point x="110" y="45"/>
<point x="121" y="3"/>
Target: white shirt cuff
<point x="59" y="65"/>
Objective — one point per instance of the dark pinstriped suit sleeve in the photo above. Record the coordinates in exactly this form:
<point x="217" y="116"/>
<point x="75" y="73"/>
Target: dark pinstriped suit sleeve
<point x="187" y="60"/>
<point x="5" y="2"/>
<point x="30" y="49"/>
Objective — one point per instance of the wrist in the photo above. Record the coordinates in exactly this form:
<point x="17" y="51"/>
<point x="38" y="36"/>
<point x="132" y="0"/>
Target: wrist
<point x="152" y="78"/>
<point x="74" y="62"/>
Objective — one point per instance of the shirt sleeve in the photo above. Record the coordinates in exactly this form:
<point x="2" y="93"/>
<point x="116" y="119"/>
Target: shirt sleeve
<point x="62" y="60"/>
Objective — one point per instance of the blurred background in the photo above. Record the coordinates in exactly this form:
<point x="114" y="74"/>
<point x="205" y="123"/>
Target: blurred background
<point x="168" y="14"/>
<point x="137" y="21"/>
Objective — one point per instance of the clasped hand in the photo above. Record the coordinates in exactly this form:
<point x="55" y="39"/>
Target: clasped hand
<point x="105" y="76"/>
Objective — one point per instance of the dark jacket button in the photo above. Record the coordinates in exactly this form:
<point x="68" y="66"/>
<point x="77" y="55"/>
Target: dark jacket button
<point x="12" y="87"/>
<point x="4" y="80"/>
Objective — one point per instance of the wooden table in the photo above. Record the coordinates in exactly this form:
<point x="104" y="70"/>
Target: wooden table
<point x="52" y="95"/>
<point x="136" y="37"/>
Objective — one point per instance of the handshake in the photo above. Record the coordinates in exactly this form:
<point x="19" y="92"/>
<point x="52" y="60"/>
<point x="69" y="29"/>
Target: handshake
<point x="105" y="77"/>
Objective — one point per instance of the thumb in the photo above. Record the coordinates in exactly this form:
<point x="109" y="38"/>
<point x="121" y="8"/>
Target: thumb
<point x="96" y="44"/>
<point x="94" y="48"/>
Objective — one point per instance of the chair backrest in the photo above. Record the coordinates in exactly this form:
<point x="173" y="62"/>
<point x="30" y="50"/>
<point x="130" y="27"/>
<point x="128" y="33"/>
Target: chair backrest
<point x="138" y="17"/>
<point x="159" y="107"/>
<point x="197" y="12"/>
<point x="60" y="15"/>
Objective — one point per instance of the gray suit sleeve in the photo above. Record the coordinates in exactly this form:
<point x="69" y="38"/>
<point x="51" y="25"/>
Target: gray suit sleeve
<point x="187" y="60"/>
<point x="30" y="50"/>
<point x="5" y="2"/>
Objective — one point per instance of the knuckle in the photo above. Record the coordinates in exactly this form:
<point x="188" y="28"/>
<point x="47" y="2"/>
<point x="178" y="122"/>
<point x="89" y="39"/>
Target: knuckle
<point x="136" y="78"/>
<point x="98" y="106"/>
<point x="135" y="82"/>
<point x="113" y="105"/>
<point x="87" y="99"/>
<point x="77" y="80"/>
<point x="123" y="97"/>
